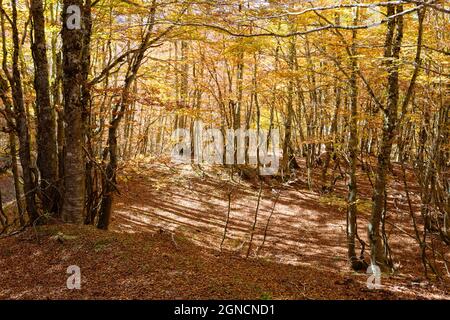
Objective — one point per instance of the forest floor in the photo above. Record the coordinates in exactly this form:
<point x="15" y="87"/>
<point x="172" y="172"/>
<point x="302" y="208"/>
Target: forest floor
<point x="168" y="229"/>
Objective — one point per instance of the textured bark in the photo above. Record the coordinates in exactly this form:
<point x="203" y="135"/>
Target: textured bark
<point x="56" y="92"/>
<point x="47" y="160"/>
<point x="57" y="101"/>
<point x="393" y="42"/>
<point x="287" y="148"/>
<point x="74" y="164"/>
<point x="22" y="123"/>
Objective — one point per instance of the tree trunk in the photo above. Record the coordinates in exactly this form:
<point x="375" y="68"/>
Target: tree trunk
<point x="46" y="126"/>
<point x="353" y="150"/>
<point x="287" y="148"/>
<point x="22" y="123"/>
<point x="393" y="42"/>
<point x="12" y="148"/>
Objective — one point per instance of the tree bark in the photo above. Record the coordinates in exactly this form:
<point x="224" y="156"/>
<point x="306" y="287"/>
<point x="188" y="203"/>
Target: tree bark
<point x="287" y="148"/>
<point x="47" y="160"/>
<point x="12" y="148"/>
<point x="353" y="150"/>
<point x="74" y="164"/>
<point x="109" y="179"/>
<point x="393" y="43"/>
<point x="22" y="123"/>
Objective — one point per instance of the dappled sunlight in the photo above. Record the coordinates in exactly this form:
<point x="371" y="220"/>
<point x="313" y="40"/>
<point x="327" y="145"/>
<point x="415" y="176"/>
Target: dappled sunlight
<point x="302" y="230"/>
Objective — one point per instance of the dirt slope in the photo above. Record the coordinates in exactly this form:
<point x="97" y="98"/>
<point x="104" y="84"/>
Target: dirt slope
<point x="158" y="266"/>
<point x="166" y="233"/>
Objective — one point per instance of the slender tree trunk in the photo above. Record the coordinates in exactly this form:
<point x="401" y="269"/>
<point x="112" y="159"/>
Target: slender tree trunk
<point x="86" y="116"/>
<point x="393" y="42"/>
<point x="22" y="123"/>
<point x="11" y="123"/>
<point x="12" y="148"/>
<point x="110" y="179"/>
<point x="287" y="148"/>
<point x="57" y="105"/>
<point x="353" y="151"/>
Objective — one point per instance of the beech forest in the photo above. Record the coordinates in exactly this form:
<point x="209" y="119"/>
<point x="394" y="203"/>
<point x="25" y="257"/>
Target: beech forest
<point x="225" y="149"/>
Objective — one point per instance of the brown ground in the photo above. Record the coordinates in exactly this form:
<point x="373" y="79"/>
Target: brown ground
<point x="167" y="228"/>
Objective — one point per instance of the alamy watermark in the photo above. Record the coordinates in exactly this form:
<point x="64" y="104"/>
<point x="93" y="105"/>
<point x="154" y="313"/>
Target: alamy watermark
<point x="73" y="21"/>
<point x="374" y="280"/>
<point x="215" y="146"/>
<point x="74" y="280"/>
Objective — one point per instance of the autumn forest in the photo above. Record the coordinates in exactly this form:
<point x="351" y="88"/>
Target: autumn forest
<point x="227" y="149"/>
